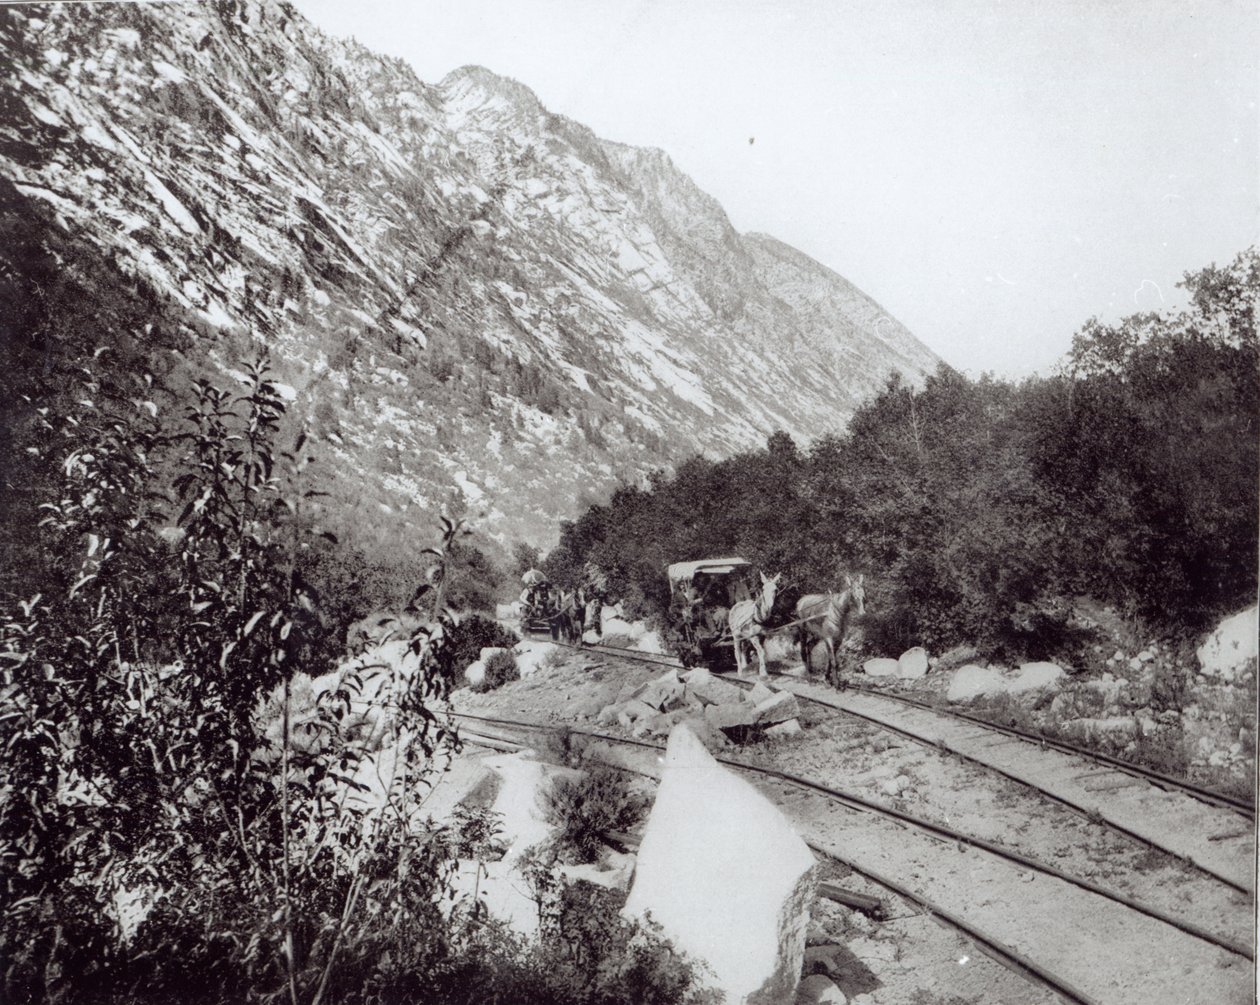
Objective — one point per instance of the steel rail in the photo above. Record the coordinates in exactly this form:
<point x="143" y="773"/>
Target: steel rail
<point x="1151" y="775"/>
<point x="854" y="801"/>
<point x="1075" y="807"/>
<point x="1157" y="778"/>
<point x="1001" y="953"/>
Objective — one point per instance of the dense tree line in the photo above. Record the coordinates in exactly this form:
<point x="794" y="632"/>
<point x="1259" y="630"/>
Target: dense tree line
<point x="979" y="508"/>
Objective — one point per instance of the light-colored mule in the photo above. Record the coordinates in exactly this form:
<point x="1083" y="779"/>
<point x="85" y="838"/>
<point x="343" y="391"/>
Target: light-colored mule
<point x="829" y="616"/>
<point x="747" y="620"/>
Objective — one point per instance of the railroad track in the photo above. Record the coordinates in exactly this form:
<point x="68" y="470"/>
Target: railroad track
<point x="1158" y="778"/>
<point x="992" y="857"/>
<point x="1209" y="844"/>
<point x="1004" y="955"/>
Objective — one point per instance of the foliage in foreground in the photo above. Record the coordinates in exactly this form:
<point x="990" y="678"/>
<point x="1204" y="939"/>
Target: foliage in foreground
<point x="161" y="836"/>
<point x="978" y="509"/>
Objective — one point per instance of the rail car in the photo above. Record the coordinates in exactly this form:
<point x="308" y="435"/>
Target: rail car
<point x="701" y="595"/>
<point x="547" y="611"/>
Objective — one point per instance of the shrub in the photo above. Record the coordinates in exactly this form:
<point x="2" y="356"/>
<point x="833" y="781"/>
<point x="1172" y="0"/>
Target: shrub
<point x="583" y="809"/>
<point x="501" y="668"/>
<point x="474" y="633"/>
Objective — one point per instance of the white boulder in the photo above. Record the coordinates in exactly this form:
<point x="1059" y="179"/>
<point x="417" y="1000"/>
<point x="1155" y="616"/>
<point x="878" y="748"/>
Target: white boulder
<point x="973" y="681"/>
<point x="725" y="875"/>
<point x="1033" y="676"/>
<point x="476" y="673"/>
<point x="1228" y="649"/>
<point x="880" y="667"/>
<point x="819" y="989"/>
<point x="913" y="663"/>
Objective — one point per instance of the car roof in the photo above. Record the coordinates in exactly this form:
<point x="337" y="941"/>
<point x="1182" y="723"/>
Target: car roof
<point x="681" y="572"/>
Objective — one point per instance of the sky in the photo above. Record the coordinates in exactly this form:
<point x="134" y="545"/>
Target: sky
<point x="993" y="172"/>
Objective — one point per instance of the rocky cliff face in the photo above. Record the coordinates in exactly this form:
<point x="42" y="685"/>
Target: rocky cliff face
<point x="470" y="296"/>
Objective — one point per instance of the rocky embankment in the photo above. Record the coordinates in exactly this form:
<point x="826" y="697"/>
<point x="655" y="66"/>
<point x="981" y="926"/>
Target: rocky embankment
<point x="1183" y="708"/>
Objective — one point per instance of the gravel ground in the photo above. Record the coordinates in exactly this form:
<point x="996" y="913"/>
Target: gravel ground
<point x="1119" y="956"/>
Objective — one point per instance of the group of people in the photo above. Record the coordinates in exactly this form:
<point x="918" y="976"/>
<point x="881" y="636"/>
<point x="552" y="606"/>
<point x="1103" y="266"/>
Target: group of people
<point x="570" y="613"/>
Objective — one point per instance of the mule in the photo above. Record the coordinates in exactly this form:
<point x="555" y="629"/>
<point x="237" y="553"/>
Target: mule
<point x="827" y="617"/>
<point x="566" y="622"/>
<point x="747" y="622"/>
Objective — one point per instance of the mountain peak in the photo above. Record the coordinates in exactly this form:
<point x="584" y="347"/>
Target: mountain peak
<point x="472" y="298"/>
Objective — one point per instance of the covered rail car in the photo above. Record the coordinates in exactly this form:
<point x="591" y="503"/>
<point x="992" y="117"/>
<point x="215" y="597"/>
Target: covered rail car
<point x="701" y="595"/>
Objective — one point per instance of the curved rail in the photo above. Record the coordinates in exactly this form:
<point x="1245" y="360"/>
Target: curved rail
<point x="855" y="801"/>
<point x="1158" y="778"/>
<point x="1003" y="954"/>
<point x="1154" y="777"/>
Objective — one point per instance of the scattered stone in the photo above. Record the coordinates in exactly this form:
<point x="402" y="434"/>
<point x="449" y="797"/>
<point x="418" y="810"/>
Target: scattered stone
<point x="912" y="664"/>
<point x="819" y="989"/>
<point x="712" y="737"/>
<point x="662" y="693"/>
<point x="476" y="672"/>
<point x="745" y="911"/>
<point x="779" y="707"/>
<point x="784" y="729"/>
<point x="710" y="690"/>
<point x="608" y="714"/>
<point x="759" y="693"/>
<point x="972" y="681"/>
<point x="880" y="667"/>
<point x="632" y="711"/>
<point x="589" y="709"/>
<point x="895" y="786"/>
<point x="739" y="715"/>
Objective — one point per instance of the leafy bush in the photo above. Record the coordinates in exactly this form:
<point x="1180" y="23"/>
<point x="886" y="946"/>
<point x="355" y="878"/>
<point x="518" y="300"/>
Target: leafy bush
<point x="584" y="808"/>
<point x="588" y="955"/>
<point x="139" y="762"/>
<point x="500" y="669"/>
<point x="475" y="632"/>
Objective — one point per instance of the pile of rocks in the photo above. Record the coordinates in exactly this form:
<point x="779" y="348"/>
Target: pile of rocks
<point x="717" y="710"/>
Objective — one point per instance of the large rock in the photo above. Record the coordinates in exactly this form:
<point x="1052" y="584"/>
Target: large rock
<point x="710" y="689"/>
<point x="736" y="715"/>
<point x="725" y="875"/>
<point x="974" y="681"/>
<point x="913" y="663"/>
<point x="476" y="673"/>
<point x="779" y="707"/>
<point x="1228" y="649"/>
<point x="880" y="667"/>
<point x="1034" y="676"/>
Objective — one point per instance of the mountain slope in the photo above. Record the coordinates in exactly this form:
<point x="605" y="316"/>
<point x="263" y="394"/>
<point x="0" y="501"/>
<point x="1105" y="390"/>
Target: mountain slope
<point x="477" y="302"/>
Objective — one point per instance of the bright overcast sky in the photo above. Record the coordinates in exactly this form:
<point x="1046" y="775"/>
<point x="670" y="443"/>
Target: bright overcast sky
<point x="992" y="172"/>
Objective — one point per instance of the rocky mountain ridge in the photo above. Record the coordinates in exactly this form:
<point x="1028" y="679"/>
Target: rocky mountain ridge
<point x="476" y="302"/>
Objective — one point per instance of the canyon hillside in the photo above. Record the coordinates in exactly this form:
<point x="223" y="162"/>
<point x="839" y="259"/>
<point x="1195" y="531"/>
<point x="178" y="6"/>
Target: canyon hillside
<point x="476" y="303"/>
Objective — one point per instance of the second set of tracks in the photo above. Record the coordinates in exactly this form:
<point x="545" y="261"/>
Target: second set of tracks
<point x="1026" y="745"/>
